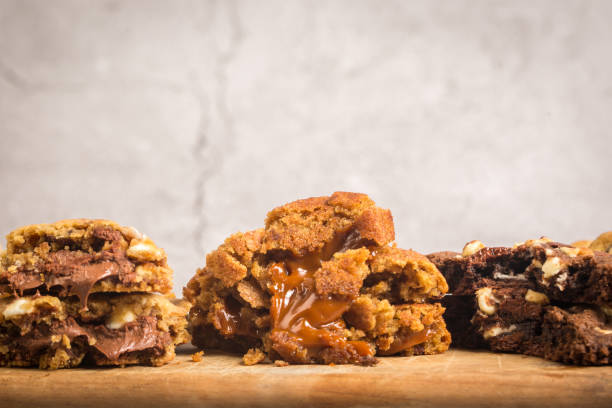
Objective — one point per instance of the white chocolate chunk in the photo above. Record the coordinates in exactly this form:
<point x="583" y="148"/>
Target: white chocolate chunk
<point x="537" y="242"/>
<point x="487" y="303"/>
<point x="572" y="252"/>
<point x="606" y="309"/>
<point x="17" y="308"/>
<point x="536" y="297"/>
<point x="119" y="318"/>
<point x="472" y="247"/>
<point x="603" y="331"/>
<point x="499" y="275"/>
<point x="561" y="281"/>
<point x="551" y="267"/>
<point x="496" y="331"/>
<point x="145" y="250"/>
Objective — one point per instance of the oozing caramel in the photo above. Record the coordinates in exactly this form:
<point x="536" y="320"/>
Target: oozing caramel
<point x="229" y="320"/>
<point x="407" y="341"/>
<point x="313" y="320"/>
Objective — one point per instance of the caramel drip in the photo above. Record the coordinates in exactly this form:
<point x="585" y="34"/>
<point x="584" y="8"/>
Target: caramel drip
<point x="313" y="320"/>
<point x="229" y="320"/>
<point x="407" y="341"/>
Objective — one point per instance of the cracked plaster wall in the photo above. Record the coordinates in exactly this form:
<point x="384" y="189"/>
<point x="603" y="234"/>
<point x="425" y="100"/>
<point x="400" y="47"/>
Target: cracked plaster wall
<point x="191" y="119"/>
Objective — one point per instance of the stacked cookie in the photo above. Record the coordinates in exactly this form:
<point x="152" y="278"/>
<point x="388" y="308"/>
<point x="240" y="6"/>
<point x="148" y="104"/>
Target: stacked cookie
<point x="539" y="297"/>
<point x="86" y="291"/>
<point x="321" y="283"/>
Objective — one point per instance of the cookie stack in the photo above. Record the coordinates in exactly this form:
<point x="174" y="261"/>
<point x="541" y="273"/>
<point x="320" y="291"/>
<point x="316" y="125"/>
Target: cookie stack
<point x="86" y="291"/>
<point x="539" y="297"/>
<point x="321" y="283"/>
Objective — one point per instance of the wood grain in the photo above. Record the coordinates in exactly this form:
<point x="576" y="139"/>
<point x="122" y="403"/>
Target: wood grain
<point x="454" y="379"/>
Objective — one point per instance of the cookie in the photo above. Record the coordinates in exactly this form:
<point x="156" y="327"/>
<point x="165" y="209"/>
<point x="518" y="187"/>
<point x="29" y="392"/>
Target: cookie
<point x="114" y="330"/>
<point x="321" y="283"/>
<point x="602" y="243"/>
<point x="585" y="243"/>
<point x="79" y="257"/>
<point x="520" y="320"/>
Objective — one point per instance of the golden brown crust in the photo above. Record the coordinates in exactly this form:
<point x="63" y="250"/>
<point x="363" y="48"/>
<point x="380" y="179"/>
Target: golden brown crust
<point x="231" y="261"/>
<point x="344" y="274"/>
<point x="305" y="226"/>
<point x="420" y="277"/>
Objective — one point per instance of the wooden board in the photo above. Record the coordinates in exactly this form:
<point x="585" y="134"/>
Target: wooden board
<point x="454" y="379"/>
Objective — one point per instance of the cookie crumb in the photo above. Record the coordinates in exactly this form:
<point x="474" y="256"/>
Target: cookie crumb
<point x="197" y="357"/>
<point x="253" y="356"/>
<point x="280" y="363"/>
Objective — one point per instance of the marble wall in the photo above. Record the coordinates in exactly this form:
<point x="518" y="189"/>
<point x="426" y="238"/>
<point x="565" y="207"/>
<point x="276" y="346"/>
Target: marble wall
<point x="190" y="119"/>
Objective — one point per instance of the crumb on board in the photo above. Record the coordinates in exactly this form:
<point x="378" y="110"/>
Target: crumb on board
<point x="253" y="356"/>
<point x="281" y="363"/>
<point x="197" y="357"/>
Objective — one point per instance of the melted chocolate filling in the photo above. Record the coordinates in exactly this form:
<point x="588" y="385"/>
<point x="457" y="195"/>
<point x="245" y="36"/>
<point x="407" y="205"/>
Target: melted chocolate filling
<point x="141" y="334"/>
<point x="76" y="272"/>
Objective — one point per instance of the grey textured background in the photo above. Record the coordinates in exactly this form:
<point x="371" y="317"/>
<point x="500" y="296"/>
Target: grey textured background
<point x="191" y="119"/>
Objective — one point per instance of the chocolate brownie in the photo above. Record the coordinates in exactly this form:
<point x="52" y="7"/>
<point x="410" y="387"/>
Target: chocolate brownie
<point x="562" y="272"/>
<point x="78" y="257"/>
<point x="539" y="298"/>
<point x="521" y="320"/>
<point x="321" y="283"/>
<point x="115" y="329"/>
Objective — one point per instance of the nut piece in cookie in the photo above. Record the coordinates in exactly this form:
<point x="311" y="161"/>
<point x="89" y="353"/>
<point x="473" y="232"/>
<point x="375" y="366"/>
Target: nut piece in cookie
<point x="301" y="288"/>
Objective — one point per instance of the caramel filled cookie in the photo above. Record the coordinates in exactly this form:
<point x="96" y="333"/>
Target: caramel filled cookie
<point x="321" y="283"/>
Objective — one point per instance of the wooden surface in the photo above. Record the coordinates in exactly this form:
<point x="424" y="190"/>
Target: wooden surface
<point x="456" y="378"/>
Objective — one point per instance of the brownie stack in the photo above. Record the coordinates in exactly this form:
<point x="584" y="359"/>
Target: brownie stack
<point x="86" y="291"/>
<point x="539" y="298"/>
